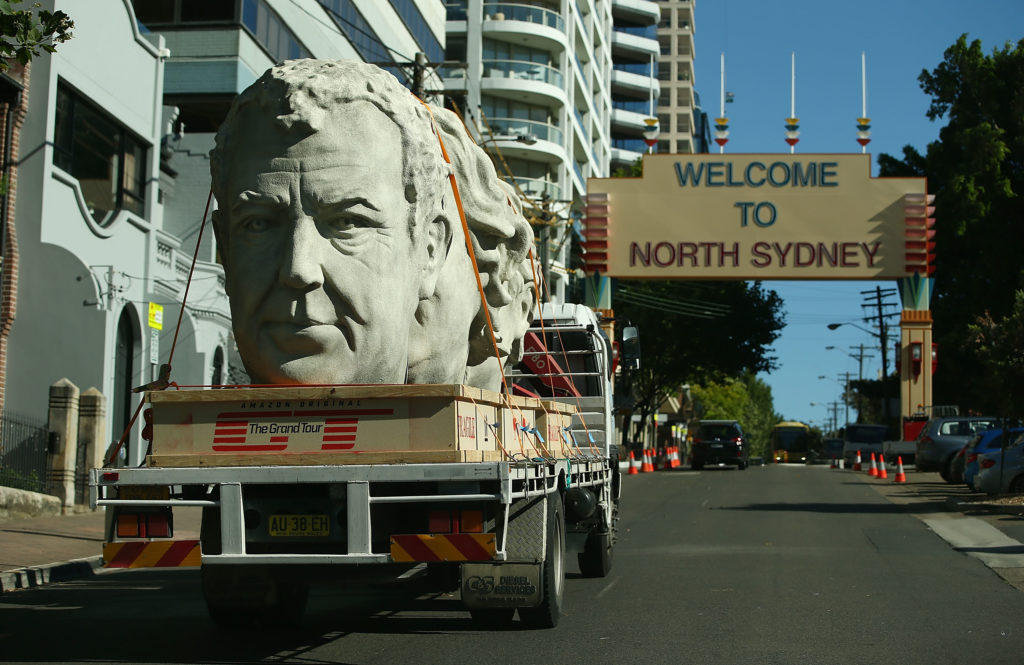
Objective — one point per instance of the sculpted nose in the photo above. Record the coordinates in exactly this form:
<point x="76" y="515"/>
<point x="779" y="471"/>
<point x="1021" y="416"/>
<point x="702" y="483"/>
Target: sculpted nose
<point x="300" y="266"/>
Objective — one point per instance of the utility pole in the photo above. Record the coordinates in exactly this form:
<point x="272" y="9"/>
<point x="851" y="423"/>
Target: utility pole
<point x="846" y="395"/>
<point x="876" y="299"/>
<point x="859" y="357"/>
<point x="419" y="71"/>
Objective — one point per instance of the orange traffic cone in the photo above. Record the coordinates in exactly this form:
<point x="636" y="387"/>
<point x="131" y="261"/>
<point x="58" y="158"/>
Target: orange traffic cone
<point x="881" y="468"/>
<point x="856" y="462"/>
<point x="633" y="470"/>
<point x="648" y="465"/>
<point x="676" y="462"/>
<point x="901" y="476"/>
<point x="873" y="471"/>
<point x="666" y="459"/>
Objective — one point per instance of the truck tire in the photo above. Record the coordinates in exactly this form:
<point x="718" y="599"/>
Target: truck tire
<point x="546" y="614"/>
<point x="596" y="558"/>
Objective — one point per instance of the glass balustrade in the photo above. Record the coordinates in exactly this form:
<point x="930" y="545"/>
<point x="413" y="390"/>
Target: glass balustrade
<point x="527" y="71"/>
<point x="641" y="68"/>
<point x="535" y="188"/>
<point x="510" y="128"/>
<point x="649" y="31"/>
<point x="513" y="12"/>
<point x="643" y="107"/>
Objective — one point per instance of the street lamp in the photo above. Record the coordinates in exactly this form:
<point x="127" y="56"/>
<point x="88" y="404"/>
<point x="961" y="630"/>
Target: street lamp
<point x="882" y="340"/>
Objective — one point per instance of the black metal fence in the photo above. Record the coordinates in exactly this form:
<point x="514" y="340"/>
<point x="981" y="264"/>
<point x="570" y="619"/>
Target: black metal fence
<point x="23" y="448"/>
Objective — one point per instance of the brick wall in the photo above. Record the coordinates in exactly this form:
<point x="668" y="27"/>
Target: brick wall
<point x="9" y="267"/>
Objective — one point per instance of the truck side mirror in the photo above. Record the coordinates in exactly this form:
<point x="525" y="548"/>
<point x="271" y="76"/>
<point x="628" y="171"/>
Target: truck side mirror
<point x="630" y="348"/>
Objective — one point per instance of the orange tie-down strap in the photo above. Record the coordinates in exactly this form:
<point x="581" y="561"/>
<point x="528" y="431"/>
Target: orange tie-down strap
<point x="154" y="554"/>
<point x="443" y="547"/>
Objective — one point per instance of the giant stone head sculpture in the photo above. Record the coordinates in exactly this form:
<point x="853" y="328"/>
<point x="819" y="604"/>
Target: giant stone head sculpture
<point x="344" y="253"/>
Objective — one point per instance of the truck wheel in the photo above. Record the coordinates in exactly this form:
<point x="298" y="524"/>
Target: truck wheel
<point x="493" y="619"/>
<point x="596" y="558"/>
<point x="546" y="614"/>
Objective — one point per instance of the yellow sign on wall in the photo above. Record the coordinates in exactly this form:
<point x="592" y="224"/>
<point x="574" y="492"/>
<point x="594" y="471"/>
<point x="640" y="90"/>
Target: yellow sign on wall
<point x="759" y="217"/>
<point x="156" y="316"/>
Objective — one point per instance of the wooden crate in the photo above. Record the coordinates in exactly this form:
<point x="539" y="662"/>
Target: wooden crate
<point x="552" y="422"/>
<point x="300" y="424"/>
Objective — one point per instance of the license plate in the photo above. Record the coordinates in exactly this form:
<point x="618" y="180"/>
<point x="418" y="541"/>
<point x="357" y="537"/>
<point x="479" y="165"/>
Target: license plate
<point x="716" y="445"/>
<point x="299" y="525"/>
<point x="144" y="492"/>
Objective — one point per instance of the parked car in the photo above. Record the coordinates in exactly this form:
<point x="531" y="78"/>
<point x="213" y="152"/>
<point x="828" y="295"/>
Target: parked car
<point x="865" y="439"/>
<point x="942" y="438"/>
<point x="991" y="480"/>
<point x="719" y="442"/>
<point x="987" y="441"/>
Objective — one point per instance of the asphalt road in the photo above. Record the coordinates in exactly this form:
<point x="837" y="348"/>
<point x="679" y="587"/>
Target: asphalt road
<point x="767" y="565"/>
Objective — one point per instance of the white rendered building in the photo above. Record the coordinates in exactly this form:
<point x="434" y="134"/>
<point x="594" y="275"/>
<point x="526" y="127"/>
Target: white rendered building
<point x="533" y="82"/>
<point x="635" y="85"/>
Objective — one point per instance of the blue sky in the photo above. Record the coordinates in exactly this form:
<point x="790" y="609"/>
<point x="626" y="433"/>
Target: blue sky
<point x="900" y="38"/>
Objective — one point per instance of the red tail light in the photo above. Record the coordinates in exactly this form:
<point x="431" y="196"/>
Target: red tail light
<point x="987" y="463"/>
<point x="973" y="457"/>
<point x="927" y="441"/>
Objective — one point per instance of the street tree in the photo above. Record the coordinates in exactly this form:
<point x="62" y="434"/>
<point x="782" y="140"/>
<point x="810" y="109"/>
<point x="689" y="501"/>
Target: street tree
<point x="976" y="171"/>
<point x="25" y="33"/>
<point x="696" y="332"/>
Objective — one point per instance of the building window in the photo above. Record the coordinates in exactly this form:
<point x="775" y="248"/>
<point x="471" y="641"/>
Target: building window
<point x="108" y="161"/>
<point x="271" y="32"/>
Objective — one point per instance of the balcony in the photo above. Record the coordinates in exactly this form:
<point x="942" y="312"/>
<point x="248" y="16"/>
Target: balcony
<point x="637" y="84"/>
<point x="637" y="11"/>
<point x="535" y="188"/>
<point x="629" y="120"/>
<point x="524" y="71"/>
<point x="537" y="27"/>
<point x="512" y="128"/>
<point x="640" y="46"/>
<point x="530" y="82"/>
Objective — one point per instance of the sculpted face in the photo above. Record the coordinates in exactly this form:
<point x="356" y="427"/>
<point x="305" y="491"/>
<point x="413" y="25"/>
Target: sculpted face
<point x="322" y="274"/>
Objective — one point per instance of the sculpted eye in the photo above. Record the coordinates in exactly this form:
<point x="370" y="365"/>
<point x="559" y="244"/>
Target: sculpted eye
<point x="255" y="224"/>
<point x="346" y="223"/>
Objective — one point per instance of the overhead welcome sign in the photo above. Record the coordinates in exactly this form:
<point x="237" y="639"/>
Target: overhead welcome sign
<point x="759" y="217"/>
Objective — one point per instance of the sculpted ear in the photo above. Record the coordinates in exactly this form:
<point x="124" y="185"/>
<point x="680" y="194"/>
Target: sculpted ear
<point x="438" y="241"/>
<point x="221" y="234"/>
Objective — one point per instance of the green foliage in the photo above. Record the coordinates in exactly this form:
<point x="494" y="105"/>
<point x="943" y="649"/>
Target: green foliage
<point x="697" y="332"/>
<point x="999" y="345"/>
<point x="635" y="170"/>
<point x="747" y="399"/>
<point x="21" y="480"/>
<point x="976" y="171"/>
<point x="24" y="33"/>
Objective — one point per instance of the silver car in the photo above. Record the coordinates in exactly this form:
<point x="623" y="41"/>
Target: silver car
<point x="942" y="438"/>
<point x="1001" y="471"/>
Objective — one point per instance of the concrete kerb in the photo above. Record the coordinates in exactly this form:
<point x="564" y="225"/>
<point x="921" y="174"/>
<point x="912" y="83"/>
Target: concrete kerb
<point x="37" y="576"/>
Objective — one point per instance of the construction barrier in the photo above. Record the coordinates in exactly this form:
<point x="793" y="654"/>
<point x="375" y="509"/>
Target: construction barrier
<point x="901" y="476"/>
<point x="648" y="463"/>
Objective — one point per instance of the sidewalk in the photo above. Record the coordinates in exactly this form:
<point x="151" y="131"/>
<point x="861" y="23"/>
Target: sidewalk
<point x="42" y="550"/>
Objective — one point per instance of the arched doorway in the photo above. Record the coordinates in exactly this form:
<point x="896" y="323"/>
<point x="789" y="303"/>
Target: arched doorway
<point x="126" y="348"/>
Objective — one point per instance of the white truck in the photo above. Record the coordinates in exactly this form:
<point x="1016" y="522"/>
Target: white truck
<point x="296" y="482"/>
